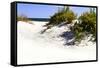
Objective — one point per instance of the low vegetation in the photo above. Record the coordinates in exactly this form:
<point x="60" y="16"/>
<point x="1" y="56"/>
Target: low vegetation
<point x="86" y="27"/>
<point x="22" y="18"/>
<point x="65" y="15"/>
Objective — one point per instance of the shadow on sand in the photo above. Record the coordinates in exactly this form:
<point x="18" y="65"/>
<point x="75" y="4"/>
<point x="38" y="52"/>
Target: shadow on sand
<point x="69" y="38"/>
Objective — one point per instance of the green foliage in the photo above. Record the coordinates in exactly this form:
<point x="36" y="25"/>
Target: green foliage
<point x="78" y="32"/>
<point x="89" y="22"/>
<point x="62" y="16"/>
<point x="22" y="18"/>
<point x="65" y="15"/>
<point x="87" y="26"/>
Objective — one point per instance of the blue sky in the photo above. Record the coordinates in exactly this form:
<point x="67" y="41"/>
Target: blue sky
<point x="43" y="11"/>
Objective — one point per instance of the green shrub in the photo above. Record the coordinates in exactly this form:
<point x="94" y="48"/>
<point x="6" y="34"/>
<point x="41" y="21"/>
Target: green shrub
<point x="64" y="16"/>
<point x="78" y="32"/>
<point x="86" y="27"/>
<point x="89" y="21"/>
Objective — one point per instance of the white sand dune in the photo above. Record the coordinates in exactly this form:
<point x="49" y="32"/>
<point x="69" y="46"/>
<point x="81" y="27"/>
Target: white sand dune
<point x="34" y="47"/>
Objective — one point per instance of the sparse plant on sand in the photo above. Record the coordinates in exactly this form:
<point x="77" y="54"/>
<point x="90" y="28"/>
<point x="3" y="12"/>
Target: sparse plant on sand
<point x="22" y="18"/>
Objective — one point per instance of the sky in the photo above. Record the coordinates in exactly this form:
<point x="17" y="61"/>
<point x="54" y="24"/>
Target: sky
<point x="44" y="11"/>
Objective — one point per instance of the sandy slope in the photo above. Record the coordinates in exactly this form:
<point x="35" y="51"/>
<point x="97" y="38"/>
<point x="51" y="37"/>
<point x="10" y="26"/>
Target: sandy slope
<point x="34" y="47"/>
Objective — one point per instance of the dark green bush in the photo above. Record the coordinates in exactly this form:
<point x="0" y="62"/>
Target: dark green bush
<point x="86" y="27"/>
<point x="78" y="32"/>
<point x="64" y="16"/>
<point x="89" y="21"/>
